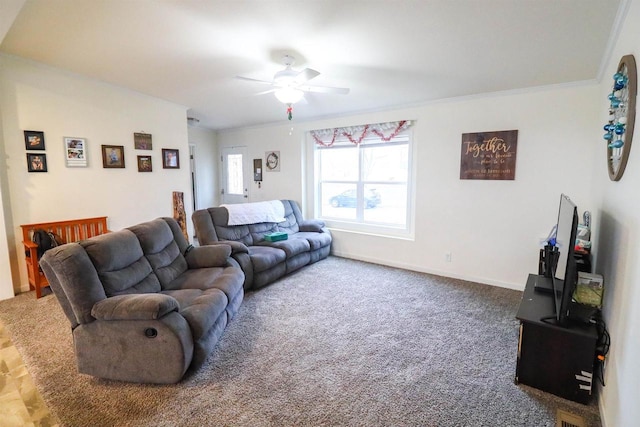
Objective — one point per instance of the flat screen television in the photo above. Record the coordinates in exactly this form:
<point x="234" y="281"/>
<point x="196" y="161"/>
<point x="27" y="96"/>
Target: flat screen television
<point x="565" y="275"/>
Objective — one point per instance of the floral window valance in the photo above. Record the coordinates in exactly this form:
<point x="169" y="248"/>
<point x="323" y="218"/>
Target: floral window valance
<point x="356" y="134"/>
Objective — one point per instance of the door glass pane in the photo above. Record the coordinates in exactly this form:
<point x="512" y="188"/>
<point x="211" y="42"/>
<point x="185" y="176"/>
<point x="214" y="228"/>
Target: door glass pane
<point x="234" y="174"/>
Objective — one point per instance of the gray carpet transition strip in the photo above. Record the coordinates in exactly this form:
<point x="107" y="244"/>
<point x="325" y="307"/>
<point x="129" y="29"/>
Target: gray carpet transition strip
<point x="338" y="343"/>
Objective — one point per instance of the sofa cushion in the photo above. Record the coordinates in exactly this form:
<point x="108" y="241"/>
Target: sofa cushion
<point x="120" y="263"/>
<point x="265" y="257"/>
<point x="229" y="280"/>
<point x="70" y="263"/>
<point x="208" y="256"/>
<point x="259" y="230"/>
<point x="160" y="248"/>
<point x="312" y="225"/>
<point x="201" y="308"/>
<point x="316" y="240"/>
<point x="291" y="247"/>
<point x="239" y="233"/>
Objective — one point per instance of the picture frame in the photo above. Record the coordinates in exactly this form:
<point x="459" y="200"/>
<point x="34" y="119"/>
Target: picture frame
<point x="170" y="158"/>
<point x="113" y="156"/>
<point x="75" y="151"/>
<point x="142" y="141"/>
<point x="272" y="161"/>
<point x="145" y="164"/>
<point x="36" y="162"/>
<point x="34" y="140"/>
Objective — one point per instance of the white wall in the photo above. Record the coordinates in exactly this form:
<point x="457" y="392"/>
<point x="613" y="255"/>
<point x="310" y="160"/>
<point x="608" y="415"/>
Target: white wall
<point x="36" y="97"/>
<point x="206" y="154"/>
<point x="287" y="183"/>
<point x="9" y="9"/>
<point x="6" y="280"/>
<point x="492" y="228"/>
<point x="616" y="243"/>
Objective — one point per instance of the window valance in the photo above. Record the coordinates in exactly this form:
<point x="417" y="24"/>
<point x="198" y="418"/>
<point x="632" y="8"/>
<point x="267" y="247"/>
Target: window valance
<point x="357" y="134"/>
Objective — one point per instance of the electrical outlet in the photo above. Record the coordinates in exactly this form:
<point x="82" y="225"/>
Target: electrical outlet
<point x="447" y="256"/>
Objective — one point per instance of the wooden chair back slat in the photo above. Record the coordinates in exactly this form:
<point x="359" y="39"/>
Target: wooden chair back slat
<point x="69" y="231"/>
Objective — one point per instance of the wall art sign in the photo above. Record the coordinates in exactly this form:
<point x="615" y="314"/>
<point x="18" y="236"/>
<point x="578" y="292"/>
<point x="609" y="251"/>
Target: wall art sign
<point x="622" y="116"/>
<point x="489" y="155"/>
<point x="179" y="213"/>
<point x="273" y="161"/>
<point x="75" y="151"/>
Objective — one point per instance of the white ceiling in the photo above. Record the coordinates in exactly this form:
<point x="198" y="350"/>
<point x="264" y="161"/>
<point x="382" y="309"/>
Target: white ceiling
<point x="390" y="53"/>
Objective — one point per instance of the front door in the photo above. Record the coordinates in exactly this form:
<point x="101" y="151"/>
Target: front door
<point x="235" y="175"/>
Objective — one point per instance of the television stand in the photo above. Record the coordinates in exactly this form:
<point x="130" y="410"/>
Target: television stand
<point x="556" y="359"/>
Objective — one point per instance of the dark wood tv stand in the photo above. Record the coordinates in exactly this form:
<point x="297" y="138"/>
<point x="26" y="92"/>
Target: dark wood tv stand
<point x="558" y="360"/>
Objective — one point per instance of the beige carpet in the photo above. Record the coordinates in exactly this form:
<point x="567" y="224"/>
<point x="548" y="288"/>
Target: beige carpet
<point x="340" y="342"/>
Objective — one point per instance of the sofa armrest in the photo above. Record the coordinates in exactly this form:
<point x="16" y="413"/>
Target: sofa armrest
<point x="312" y="225"/>
<point x="236" y="247"/>
<point x="135" y="307"/>
<point x="208" y="256"/>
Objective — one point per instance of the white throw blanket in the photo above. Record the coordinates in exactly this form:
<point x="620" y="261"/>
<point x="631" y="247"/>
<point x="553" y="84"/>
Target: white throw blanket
<point x="254" y="213"/>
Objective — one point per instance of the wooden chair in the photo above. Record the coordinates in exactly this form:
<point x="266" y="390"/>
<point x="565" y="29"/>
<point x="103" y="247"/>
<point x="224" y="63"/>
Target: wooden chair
<point x="69" y="231"/>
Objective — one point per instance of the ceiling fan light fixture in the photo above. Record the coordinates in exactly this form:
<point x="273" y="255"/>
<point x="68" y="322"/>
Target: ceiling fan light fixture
<point x="288" y="95"/>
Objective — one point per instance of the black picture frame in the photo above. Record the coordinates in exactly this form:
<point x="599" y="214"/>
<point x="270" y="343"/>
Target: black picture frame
<point x="36" y="162"/>
<point x="170" y="158"/>
<point x="33" y="140"/>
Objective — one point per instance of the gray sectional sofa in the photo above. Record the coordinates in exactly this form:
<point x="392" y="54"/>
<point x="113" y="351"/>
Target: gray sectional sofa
<point x="143" y="304"/>
<point x="263" y="261"/>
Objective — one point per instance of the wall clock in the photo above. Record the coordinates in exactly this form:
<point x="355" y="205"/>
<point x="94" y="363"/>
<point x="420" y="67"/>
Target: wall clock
<point x="622" y="115"/>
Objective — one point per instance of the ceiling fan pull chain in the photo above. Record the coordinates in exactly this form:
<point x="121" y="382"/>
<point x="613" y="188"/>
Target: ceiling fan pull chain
<point x="289" y="111"/>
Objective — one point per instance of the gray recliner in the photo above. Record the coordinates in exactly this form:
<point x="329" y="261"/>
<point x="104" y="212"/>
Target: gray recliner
<point x="144" y="305"/>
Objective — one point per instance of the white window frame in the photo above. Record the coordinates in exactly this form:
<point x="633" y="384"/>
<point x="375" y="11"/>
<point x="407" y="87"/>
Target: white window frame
<point x="358" y="225"/>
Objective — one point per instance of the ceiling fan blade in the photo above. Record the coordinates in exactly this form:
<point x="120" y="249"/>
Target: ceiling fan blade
<point x="324" y="89"/>
<point x="305" y="75"/>
<point x="266" y="91"/>
<point x="264" y="82"/>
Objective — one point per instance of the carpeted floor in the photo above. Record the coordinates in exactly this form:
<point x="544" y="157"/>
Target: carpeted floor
<point x="340" y="342"/>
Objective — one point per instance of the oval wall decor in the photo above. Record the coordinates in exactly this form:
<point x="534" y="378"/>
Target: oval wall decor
<point x="622" y="115"/>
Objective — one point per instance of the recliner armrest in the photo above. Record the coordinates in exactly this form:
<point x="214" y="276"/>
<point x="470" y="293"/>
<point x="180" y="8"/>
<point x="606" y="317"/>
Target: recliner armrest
<point x="312" y="225"/>
<point x="236" y="247"/>
<point x="135" y="307"/>
<point x="208" y="256"/>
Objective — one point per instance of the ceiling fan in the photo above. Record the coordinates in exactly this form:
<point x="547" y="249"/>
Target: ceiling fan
<point x="290" y="85"/>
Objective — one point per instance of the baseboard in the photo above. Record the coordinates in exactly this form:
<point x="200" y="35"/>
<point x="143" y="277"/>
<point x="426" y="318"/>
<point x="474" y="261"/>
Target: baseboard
<point x="411" y="267"/>
<point x="601" y="409"/>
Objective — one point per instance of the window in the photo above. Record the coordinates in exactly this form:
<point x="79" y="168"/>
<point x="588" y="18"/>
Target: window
<point x="234" y="174"/>
<point x="362" y="177"/>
